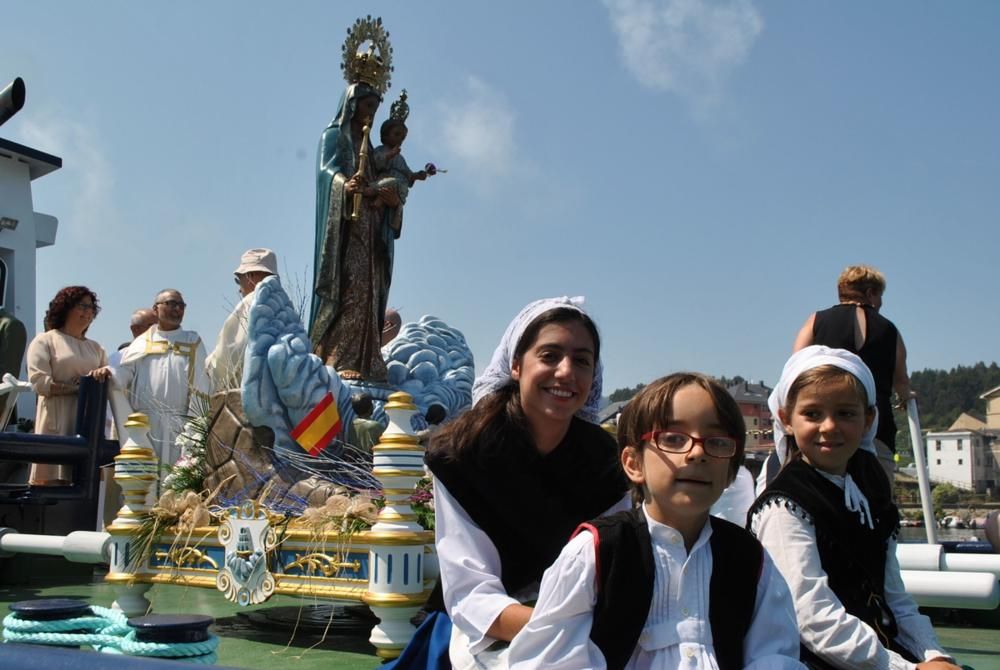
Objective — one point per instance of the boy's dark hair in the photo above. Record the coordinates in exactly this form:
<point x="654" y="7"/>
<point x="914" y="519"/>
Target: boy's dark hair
<point x="651" y="409"/>
<point x="388" y="125"/>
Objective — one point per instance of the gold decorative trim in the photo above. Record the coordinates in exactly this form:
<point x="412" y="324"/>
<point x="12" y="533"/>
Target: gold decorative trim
<point x="395" y="599"/>
<point x="311" y="589"/>
<point x="181" y="579"/>
<point x="170" y="570"/>
<point x="400" y="538"/>
<point x="399" y="438"/>
<point x="181" y="556"/>
<point x="397" y="472"/>
<point x="137" y="420"/>
<point x="135" y="455"/>
<point x="398" y="492"/>
<point x="383" y="449"/>
<point x="292" y="581"/>
<point x="386" y="515"/>
<point x="388" y="653"/>
<point x="400" y="400"/>
<point x="326" y="564"/>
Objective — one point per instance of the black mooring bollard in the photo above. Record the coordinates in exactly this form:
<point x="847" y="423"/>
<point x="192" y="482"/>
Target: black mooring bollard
<point x="53" y="609"/>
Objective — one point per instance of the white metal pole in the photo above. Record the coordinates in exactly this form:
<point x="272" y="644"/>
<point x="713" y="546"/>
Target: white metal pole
<point x="923" y="479"/>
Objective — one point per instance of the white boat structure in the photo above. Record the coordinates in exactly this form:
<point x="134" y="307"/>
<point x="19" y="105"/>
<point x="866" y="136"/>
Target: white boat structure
<point x="937" y="576"/>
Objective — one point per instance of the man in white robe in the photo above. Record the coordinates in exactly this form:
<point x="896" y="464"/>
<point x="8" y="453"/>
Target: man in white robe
<point x="163" y="373"/>
<point x="225" y="364"/>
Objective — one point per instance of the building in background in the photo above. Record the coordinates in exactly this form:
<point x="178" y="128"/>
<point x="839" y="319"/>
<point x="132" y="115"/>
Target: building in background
<point x="752" y="400"/>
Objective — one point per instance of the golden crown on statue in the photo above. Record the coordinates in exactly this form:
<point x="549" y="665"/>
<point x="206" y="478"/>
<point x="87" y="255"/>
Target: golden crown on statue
<point x="400" y="110"/>
<point x="372" y="65"/>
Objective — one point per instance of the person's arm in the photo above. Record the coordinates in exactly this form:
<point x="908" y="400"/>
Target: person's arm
<point x="900" y="377"/>
<point x="915" y="630"/>
<point x="102" y="372"/>
<point x="201" y="386"/>
<point x="772" y="642"/>
<point x="122" y="373"/>
<point x="39" y="365"/>
<point x="805" y="335"/>
<point x="558" y="634"/>
<point x="469" y="565"/>
<point x="825" y="626"/>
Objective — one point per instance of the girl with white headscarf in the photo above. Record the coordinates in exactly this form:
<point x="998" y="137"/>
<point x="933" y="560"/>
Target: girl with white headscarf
<point x="516" y="474"/>
<point x="830" y="525"/>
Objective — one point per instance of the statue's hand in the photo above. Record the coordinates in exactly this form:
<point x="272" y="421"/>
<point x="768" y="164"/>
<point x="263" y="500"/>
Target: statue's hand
<point x="389" y="196"/>
<point x="354" y="185"/>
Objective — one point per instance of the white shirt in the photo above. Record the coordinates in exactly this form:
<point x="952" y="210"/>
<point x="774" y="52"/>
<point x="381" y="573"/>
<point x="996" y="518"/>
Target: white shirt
<point x="163" y="373"/>
<point x="827" y="629"/>
<point x="224" y="365"/>
<point x="736" y="499"/>
<point x="469" y="565"/>
<point x="677" y="633"/>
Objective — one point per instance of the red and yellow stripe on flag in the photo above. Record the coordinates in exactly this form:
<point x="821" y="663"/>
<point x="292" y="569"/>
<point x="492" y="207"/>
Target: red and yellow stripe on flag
<point x="315" y="432"/>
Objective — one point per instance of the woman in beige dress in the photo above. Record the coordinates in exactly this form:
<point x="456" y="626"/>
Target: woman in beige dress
<point x="57" y="359"/>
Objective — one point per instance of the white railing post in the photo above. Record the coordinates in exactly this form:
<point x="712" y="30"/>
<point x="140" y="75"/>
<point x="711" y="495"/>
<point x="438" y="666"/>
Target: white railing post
<point x="923" y="479"/>
<point x="136" y="473"/>
<point x="396" y="560"/>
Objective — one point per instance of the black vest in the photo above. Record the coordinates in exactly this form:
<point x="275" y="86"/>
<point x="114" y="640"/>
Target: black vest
<point x="834" y="327"/>
<point x="626" y="575"/>
<point x="852" y="555"/>
<point x="529" y="504"/>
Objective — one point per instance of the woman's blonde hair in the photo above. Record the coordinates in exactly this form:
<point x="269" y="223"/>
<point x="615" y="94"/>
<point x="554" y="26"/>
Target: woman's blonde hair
<point x="856" y="280"/>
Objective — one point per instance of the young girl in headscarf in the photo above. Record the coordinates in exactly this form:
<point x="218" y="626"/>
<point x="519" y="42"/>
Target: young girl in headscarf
<point x="830" y="525"/>
<point x="516" y="474"/>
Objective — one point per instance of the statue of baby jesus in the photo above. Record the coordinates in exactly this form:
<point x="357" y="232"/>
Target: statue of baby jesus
<point x="391" y="168"/>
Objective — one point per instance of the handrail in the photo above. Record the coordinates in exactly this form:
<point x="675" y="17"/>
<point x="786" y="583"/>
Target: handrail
<point x="923" y="479"/>
<point x="10" y="388"/>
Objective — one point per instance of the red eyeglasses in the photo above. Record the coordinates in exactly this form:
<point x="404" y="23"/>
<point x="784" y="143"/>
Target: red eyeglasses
<point x="676" y="442"/>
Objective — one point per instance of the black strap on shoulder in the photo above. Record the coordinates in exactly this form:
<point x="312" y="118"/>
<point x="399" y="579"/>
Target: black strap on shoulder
<point x="625" y="577"/>
<point x="737" y="563"/>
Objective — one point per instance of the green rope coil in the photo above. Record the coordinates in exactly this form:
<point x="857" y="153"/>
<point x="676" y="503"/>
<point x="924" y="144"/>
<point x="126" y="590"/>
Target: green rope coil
<point x="106" y="631"/>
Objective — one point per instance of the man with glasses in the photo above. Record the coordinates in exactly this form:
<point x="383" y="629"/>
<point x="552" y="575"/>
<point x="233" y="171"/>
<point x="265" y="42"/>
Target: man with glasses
<point x="163" y="372"/>
<point x="225" y="364"/>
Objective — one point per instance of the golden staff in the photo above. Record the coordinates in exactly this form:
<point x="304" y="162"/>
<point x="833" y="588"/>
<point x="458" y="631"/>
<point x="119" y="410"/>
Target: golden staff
<point x="362" y="165"/>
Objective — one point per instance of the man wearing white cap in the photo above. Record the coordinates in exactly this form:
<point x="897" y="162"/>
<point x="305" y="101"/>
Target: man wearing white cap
<point x="225" y="364"/>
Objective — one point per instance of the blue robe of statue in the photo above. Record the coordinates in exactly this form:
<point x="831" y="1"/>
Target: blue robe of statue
<point x="353" y="259"/>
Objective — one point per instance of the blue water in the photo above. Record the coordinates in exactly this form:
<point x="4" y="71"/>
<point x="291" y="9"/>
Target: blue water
<point x="963" y="534"/>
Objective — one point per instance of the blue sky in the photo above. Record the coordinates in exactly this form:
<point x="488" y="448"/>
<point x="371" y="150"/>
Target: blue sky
<point x="701" y="171"/>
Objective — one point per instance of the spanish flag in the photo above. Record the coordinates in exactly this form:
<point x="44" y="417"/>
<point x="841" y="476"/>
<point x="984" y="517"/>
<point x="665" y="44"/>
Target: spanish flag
<point x="315" y="432"/>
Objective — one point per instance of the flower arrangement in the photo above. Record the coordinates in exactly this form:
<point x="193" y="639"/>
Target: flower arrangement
<point x="422" y="502"/>
<point x="339" y="513"/>
<point x="188" y="473"/>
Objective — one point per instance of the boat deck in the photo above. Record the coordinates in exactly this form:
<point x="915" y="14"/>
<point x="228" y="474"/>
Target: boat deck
<point x="255" y="637"/>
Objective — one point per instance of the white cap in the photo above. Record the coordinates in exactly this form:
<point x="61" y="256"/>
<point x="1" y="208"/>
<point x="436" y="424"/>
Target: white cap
<point x="258" y="260"/>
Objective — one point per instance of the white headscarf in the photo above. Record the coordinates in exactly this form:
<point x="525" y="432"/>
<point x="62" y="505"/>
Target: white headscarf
<point x="813" y="357"/>
<point x="498" y="373"/>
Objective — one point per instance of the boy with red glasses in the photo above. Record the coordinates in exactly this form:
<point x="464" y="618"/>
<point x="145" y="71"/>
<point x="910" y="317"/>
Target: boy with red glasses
<point x="665" y="584"/>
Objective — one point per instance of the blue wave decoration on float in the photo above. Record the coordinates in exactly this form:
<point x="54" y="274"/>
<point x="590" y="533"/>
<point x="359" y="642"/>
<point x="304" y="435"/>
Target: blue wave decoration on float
<point x="282" y="379"/>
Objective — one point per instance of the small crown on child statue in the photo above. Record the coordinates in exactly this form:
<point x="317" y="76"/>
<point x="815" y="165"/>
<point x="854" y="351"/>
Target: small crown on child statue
<point x="399" y="109"/>
<point x="373" y="66"/>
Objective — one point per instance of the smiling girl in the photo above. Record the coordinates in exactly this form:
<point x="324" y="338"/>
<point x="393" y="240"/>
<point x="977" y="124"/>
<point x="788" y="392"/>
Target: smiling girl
<point x="514" y="476"/>
<point x="829" y="522"/>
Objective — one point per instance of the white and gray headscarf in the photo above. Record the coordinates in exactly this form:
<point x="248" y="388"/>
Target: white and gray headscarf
<point x="813" y="357"/>
<point x="498" y="373"/>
